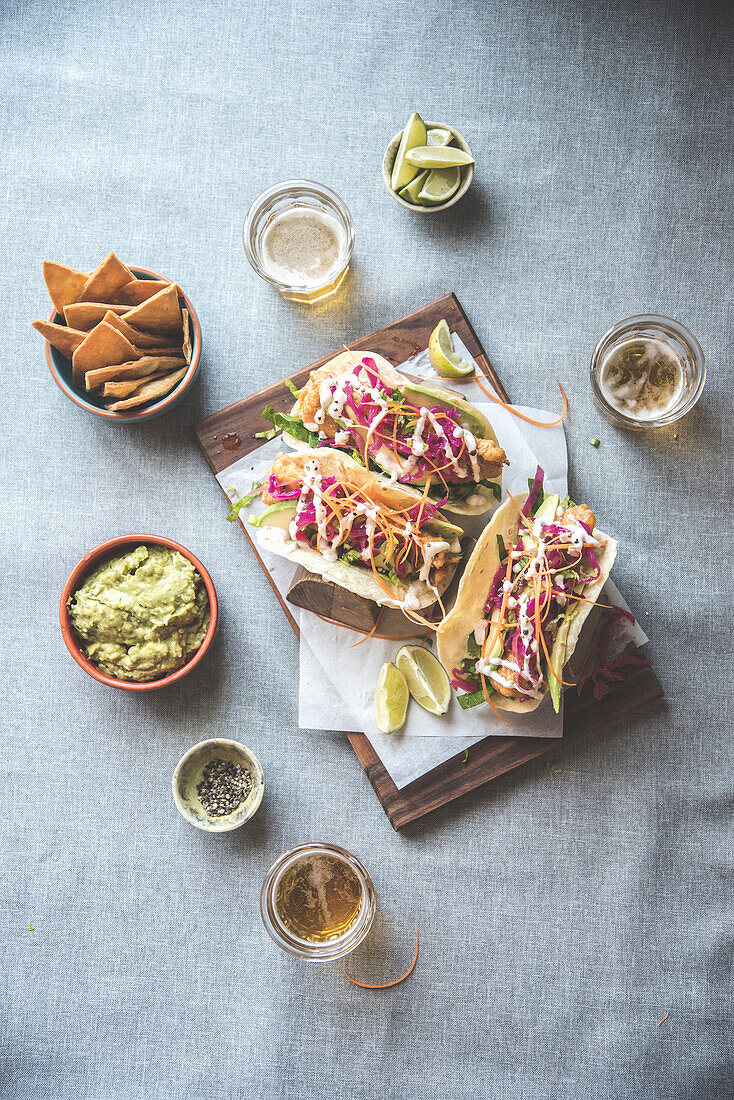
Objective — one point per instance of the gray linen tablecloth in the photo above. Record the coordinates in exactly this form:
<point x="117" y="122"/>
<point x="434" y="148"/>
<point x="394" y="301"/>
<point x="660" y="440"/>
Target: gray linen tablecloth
<point x="562" y="914"/>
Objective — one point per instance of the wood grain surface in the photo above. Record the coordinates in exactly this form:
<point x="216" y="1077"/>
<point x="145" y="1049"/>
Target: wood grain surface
<point x="331" y="601"/>
<point x="228" y="435"/>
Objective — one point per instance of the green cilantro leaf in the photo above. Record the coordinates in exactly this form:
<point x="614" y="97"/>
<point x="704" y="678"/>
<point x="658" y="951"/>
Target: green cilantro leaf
<point x="472" y="700"/>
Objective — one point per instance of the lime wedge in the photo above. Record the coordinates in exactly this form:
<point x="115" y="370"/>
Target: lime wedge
<point x="413" y="134"/>
<point x="439" y="136"/>
<point x="426" y="678"/>
<point x="391" y="700"/>
<point x="410" y="193"/>
<point x="444" y="359"/>
<point x="439" y="186"/>
<point x="436" y="156"/>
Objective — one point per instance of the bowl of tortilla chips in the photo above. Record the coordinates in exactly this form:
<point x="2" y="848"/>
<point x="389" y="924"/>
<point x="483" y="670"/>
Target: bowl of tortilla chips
<point x="121" y="342"/>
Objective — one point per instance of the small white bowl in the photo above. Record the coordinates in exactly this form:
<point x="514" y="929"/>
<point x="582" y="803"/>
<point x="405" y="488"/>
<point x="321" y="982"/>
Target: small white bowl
<point x="467" y="171"/>
<point x="188" y="774"/>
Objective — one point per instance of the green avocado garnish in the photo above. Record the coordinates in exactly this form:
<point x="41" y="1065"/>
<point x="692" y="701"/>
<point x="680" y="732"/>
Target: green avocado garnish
<point x="468" y="418"/>
<point x="278" y="514"/>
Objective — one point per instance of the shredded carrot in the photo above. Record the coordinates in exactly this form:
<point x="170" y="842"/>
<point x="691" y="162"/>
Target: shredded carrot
<point x="522" y="416"/>
<point x="583" y="599"/>
<point x="664" y="1018"/>
<point x="385" y="637"/>
<point x="390" y="594"/>
<point x="487" y="648"/>
<point x="489" y="701"/>
<point x="539" y="632"/>
<point x="371" y="633"/>
<point x="387" y="985"/>
<point x="424" y="498"/>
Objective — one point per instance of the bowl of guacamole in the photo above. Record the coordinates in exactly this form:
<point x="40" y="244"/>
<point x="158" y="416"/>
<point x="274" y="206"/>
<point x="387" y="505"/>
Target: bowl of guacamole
<point x="138" y="612"/>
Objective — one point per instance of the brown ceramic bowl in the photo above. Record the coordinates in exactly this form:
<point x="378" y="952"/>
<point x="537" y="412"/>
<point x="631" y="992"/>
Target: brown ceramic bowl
<point x="61" y="371"/>
<point x="76" y="579"/>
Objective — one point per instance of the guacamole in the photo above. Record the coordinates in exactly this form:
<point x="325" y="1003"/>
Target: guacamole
<point x="141" y="615"/>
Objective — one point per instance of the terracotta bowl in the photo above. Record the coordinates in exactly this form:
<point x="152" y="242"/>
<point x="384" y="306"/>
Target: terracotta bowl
<point x="60" y="368"/>
<point x="84" y="567"/>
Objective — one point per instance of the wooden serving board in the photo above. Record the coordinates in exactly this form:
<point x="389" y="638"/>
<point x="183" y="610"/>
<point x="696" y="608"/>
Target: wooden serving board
<point x="228" y="435"/>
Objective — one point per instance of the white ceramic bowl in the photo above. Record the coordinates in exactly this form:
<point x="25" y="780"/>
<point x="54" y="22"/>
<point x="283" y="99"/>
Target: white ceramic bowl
<point x="467" y="172"/>
<point x="188" y="774"/>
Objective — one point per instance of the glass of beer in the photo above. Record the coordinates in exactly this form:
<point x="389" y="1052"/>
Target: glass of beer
<point x="317" y="902"/>
<point x="647" y="371"/>
<point x="299" y="236"/>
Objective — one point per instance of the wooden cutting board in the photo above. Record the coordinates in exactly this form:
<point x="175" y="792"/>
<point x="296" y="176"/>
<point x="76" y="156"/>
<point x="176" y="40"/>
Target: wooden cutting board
<point x="228" y="435"/>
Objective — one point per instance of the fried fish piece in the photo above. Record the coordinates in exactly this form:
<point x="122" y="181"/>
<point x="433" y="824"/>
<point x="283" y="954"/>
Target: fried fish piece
<point x="309" y="404"/>
<point x="285" y="468"/>
<point x="491" y="458"/>
<point x="503" y="680"/>
<point x="581" y="513"/>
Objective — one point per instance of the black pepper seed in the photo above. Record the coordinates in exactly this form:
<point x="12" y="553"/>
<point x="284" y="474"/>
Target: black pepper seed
<point x="223" y="787"/>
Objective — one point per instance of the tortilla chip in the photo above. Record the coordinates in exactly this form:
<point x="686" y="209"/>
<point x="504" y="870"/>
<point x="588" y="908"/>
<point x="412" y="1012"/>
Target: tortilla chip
<point x="64" y="284"/>
<point x="158" y="387"/>
<point x="85" y="315"/>
<point x="103" y="283"/>
<point x="129" y="387"/>
<point x="104" y="346"/>
<point x="187" y="350"/>
<point x="161" y="313"/>
<point x="138" y="291"/>
<point x="66" y="340"/>
<point x="135" y="369"/>
<point x="144" y="341"/>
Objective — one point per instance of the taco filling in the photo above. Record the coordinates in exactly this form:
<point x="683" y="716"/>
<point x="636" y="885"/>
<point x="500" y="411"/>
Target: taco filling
<point x="412" y="432"/>
<point x="546" y="578"/>
<point x="403" y="548"/>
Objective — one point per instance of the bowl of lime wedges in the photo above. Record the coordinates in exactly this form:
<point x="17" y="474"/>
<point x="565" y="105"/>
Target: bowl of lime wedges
<point x="428" y="166"/>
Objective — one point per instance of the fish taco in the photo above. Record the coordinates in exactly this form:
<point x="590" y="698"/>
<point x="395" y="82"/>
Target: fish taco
<point x="327" y="513"/>
<point x="412" y="431"/>
<point x="534" y="576"/>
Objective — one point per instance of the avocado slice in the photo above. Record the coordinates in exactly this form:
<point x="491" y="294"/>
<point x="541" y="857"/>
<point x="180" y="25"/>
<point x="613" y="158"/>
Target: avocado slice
<point x="558" y="660"/>
<point x="447" y="531"/>
<point x="547" y="510"/>
<point x="468" y="418"/>
<point x="278" y="514"/>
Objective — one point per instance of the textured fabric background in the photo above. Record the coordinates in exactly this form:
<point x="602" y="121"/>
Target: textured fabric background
<point x="561" y="914"/>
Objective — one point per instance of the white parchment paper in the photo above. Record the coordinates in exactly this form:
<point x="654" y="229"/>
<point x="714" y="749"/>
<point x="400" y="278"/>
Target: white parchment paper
<point x="337" y="677"/>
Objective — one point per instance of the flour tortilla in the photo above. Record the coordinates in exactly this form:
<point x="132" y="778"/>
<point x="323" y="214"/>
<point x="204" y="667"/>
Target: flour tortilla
<point x="452" y="634"/>
<point x="353" y="577"/>
<point x="345" y="363"/>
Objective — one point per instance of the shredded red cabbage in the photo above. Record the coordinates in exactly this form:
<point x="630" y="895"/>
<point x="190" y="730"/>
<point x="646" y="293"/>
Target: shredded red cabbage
<point x="534" y="490"/>
<point x="460" y="683"/>
<point x="277" y="493"/>
<point x="602" y="678"/>
<point x="365" y="409"/>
